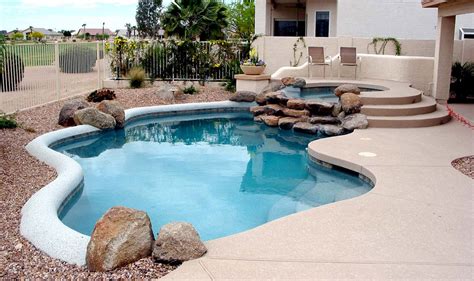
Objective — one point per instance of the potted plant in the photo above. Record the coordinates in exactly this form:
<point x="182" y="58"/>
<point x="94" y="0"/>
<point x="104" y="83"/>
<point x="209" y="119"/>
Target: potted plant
<point x="253" y="65"/>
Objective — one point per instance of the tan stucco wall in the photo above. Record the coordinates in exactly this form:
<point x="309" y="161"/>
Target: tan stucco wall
<point x="321" y="5"/>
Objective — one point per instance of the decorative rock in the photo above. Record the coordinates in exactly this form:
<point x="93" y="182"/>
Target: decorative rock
<point x="336" y="109"/>
<point x="341" y="116"/>
<point x="323" y="120"/>
<point x="257" y="110"/>
<point x="272" y="87"/>
<point x="331" y="130"/>
<point x="288" y="81"/>
<point x="355" y="121"/>
<point x="273" y="109"/>
<point x="121" y="236"/>
<point x="295" y="113"/>
<point x="243" y="96"/>
<point x="92" y="116"/>
<point x="270" y="120"/>
<point x="318" y="107"/>
<point x="276" y="98"/>
<point x="100" y="95"/>
<point x="305" y="127"/>
<point x="178" y="242"/>
<point x="115" y="109"/>
<point x="66" y="115"/>
<point x="258" y="119"/>
<point x="286" y="123"/>
<point x="351" y="103"/>
<point x="260" y="99"/>
<point x="298" y="104"/>
<point x="299" y="83"/>
<point x="346" y="88"/>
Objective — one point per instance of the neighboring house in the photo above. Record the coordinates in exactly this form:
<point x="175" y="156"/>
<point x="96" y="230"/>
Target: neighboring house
<point x="362" y="18"/>
<point x="3" y="32"/>
<point x="49" y="34"/>
<point x="93" y="32"/>
<point x="123" y="33"/>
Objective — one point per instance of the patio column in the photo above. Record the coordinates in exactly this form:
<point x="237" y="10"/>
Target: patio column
<point x="262" y="17"/>
<point x="443" y="58"/>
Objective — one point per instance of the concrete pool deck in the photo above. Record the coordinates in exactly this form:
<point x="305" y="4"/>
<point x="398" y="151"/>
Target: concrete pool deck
<point x="416" y="223"/>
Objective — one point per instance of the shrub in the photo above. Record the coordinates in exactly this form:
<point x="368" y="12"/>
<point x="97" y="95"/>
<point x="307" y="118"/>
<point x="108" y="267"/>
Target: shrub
<point x="77" y="59"/>
<point x="7" y="121"/>
<point x="12" y="69"/>
<point x="191" y="90"/>
<point x="136" y="76"/>
<point x="100" y="95"/>
<point x="462" y="82"/>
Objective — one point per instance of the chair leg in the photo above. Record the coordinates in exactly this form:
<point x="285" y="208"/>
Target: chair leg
<point x="324" y="71"/>
<point x="356" y="72"/>
<point x="339" y="71"/>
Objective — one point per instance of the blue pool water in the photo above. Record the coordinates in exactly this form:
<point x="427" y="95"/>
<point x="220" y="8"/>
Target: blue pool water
<point x="322" y="93"/>
<point x="221" y="172"/>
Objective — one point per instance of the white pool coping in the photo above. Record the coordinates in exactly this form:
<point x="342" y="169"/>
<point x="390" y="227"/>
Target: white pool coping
<point x="40" y="223"/>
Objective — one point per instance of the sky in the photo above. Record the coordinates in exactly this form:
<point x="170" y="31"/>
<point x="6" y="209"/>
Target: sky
<point x="67" y="14"/>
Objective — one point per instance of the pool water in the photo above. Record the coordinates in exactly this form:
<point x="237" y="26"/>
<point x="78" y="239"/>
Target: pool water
<point x="322" y="93"/>
<point x="221" y="172"/>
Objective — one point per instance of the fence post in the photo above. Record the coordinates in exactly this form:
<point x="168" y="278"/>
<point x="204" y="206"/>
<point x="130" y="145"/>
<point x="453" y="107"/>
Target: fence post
<point x="99" y="83"/>
<point x="56" y="60"/>
<point x="104" y="74"/>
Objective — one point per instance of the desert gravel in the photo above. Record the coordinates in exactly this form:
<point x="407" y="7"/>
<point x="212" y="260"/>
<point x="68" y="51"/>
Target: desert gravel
<point x="465" y="165"/>
<point x="21" y="175"/>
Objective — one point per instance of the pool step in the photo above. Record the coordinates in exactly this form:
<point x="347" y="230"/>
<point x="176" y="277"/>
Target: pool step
<point x="408" y="96"/>
<point x="438" y="117"/>
<point x="426" y="105"/>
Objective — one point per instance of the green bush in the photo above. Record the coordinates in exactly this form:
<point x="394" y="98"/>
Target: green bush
<point x="12" y="69"/>
<point x="462" y="82"/>
<point x="7" y="121"/>
<point x="100" y="95"/>
<point x="136" y="76"/>
<point x="77" y="59"/>
<point x="191" y="90"/>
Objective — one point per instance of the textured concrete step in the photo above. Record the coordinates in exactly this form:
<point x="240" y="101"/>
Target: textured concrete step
<point x="391" y="97"/>
<point x="426" y="105"/>
<point x="438" y="117"/>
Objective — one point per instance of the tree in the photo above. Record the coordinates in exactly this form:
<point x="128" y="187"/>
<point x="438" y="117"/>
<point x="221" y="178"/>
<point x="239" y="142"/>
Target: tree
<point x="242" y="19"/>
<point x="66" y="33"/>
<point x="190" y="19"/>
<point x="35" y="35"/>
<point x="148" y="17"/>
<point x="129" y="30"/>
<point x="17" y="36"/>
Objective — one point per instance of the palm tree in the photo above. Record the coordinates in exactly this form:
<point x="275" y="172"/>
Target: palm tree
<point x="190" y="19"/>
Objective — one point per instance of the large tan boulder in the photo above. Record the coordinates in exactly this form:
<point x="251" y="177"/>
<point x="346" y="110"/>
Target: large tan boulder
<point x="261" y="99"/>
<point x="257" y="110"/>
<point x="346" y="88"/>
<point x="178" y="242"/>
<point x="288" y="81"/>
<point x="296" y="113"/>
<point x="273" y="109"/>
<point x="331" y="130"/>
<point x="321" y="108"/>
<point x="115" y="109"/>
<point x="92" y="116"/>
<point x="323" y="120"/>
<point x="355" y="121"/>
<point x="305" y="127"/>
<point x="270" y="120"/>
<point x="287" y="123"/>
<point x="276" y="98"/>
<point x="298" y="104"/>
<point x="243" y="96"/>
<point x="66" y="115"/>
<point x="121" y="236"/>
<point x="350" y="103"/>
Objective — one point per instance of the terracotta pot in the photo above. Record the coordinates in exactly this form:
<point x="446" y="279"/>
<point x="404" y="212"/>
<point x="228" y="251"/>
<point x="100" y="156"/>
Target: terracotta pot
<point x="253" y="69"/>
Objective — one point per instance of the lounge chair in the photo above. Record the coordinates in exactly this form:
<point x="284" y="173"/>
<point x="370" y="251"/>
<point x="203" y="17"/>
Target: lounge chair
<point x="316" y="57"/>
<point x="348" y="57"/>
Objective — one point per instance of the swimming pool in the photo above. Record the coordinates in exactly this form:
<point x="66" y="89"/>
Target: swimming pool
<point x="322" y="93"/>
<point x="219" y="171"/>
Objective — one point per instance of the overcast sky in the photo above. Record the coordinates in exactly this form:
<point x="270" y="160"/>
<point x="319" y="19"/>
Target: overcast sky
<point x="67" y="14"/>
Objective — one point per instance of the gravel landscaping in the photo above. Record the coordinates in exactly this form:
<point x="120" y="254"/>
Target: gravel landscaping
<point x="465" y="165"/>
<point x="21" y="175"/>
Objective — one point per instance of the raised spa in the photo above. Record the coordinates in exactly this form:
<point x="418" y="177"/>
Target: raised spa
<point x="221" y="172"/>
<point x="325" y="93"/>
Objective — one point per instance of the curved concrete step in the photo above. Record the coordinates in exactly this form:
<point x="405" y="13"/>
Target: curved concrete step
<point x="426" y="105"/>
<point x="391" y="97"/>
<point x="438" y="117"/>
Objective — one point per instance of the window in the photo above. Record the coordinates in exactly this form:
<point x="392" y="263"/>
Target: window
<point x="322" y="24"/>
<point x="289" y="28"/>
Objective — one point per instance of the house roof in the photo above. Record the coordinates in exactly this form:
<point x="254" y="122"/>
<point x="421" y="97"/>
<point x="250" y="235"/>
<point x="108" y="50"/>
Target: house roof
<point x="94" y="31"/>
<point x="42" y="30"/>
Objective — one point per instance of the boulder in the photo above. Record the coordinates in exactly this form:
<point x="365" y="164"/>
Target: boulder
<point x="299" y="83"/>
<point x="66" y="115"/>
<point x="243" y="96"/>
<point x="355" y="121"/>
<point x="336" y="109"/>
<point x="272" y="87"/>
<point x="273" y="109"/>
<point x="276" y="98"/>
<point x="257" y="110"/>
<point x="115" y="109"/>
<point x="258" y="119"/>
<point x="270" y="120"/>
<point x="295" y="113"/>
<point x="287" y="123"/>
<point x="298" y="104"/>
<point x="121" y="236"/>
<point x="92" y="116"/>
<point x="288" y="81"/>
<point x="346" y="88"/>
<point x="305" y="127"/>
<point x="318" y="107"/>
<point x="331" y="130"/>
<point x="323" y="120"/>
<point x="178" y="242"/>
<point x="260" y="99"/>
<point x="350" y="103"/>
